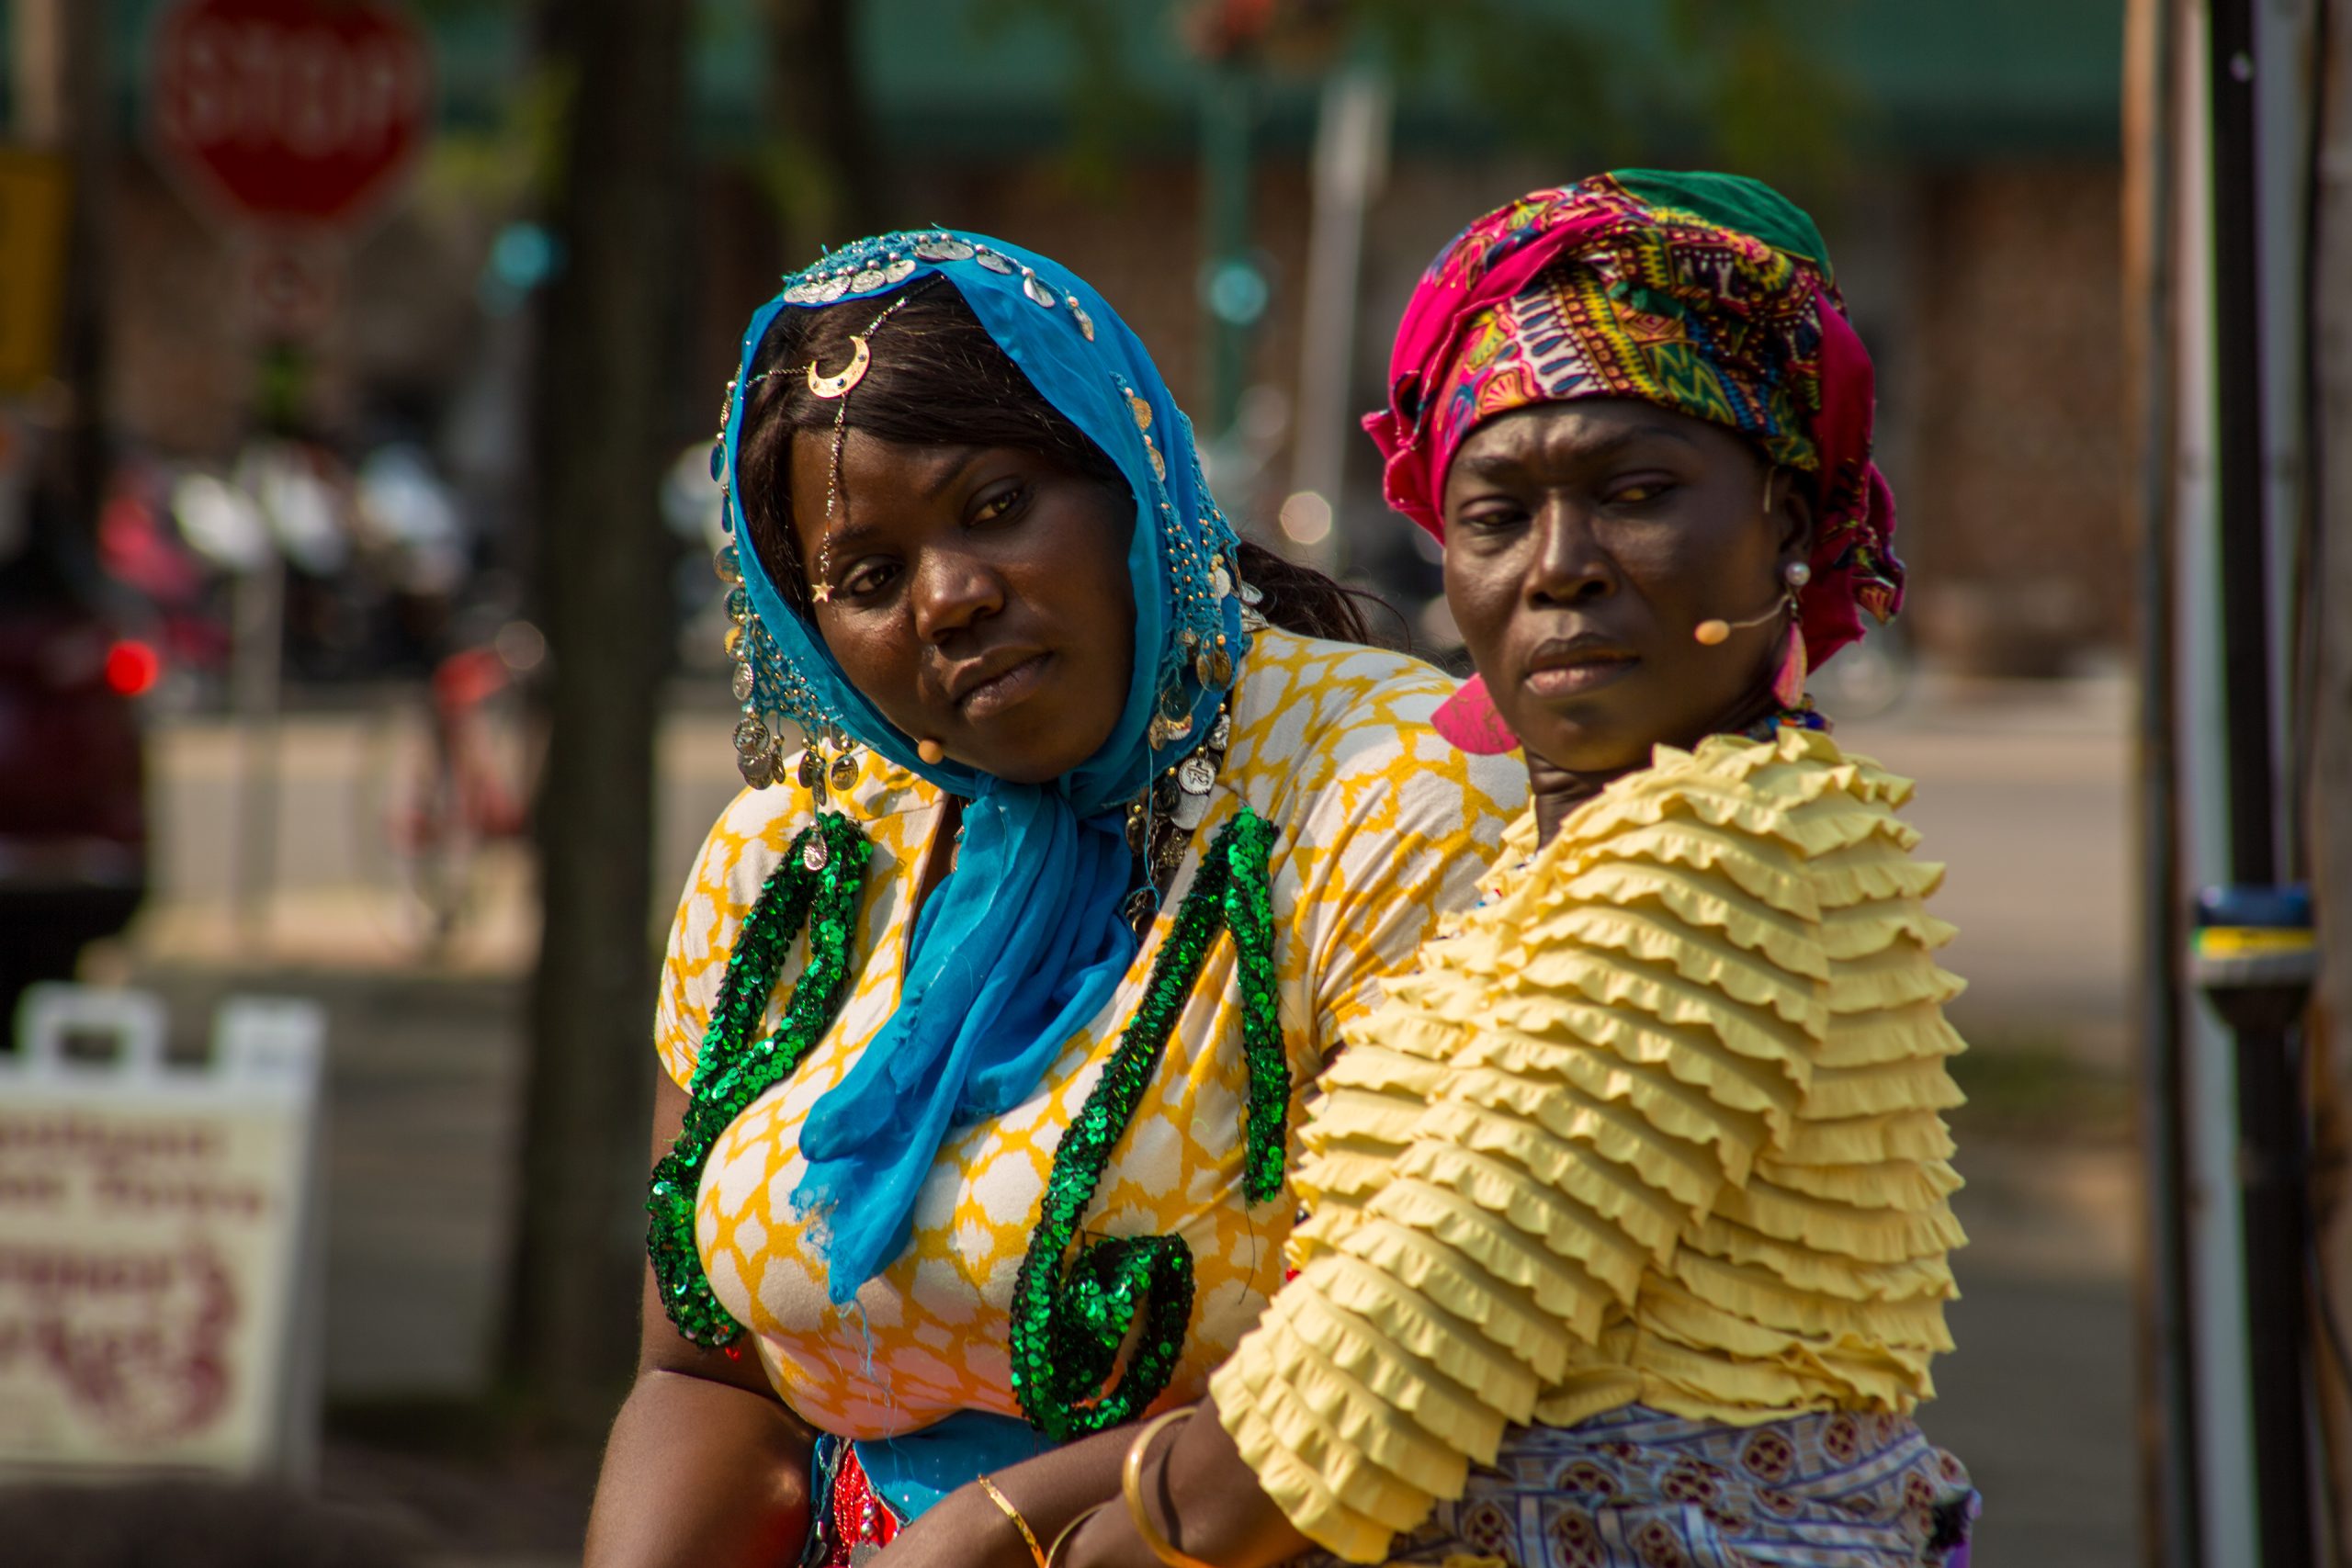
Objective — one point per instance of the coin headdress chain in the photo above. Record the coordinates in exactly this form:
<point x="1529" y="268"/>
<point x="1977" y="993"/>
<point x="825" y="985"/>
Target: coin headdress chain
<point x="836" y="389"/>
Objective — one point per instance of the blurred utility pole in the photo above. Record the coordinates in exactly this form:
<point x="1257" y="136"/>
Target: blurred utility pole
<point x="1228" y="36"/>
<point x="60" y="58"/>
<point x="609" y="342"/>
<point x="1351" y="162"/>
<point x="2244" y="769"/>
<point x="1233" y="294"/>
<point x="824" y="127"/>
<point x="2171" y="1530"/>
<point x="2326" y="796"/>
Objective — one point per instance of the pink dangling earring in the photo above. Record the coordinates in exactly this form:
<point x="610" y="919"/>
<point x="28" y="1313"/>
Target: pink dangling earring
<point x="1788" y="684"/>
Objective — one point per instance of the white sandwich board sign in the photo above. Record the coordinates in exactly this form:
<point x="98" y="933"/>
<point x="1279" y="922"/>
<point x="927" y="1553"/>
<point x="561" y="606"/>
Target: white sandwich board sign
<point x="156" y="1256"/>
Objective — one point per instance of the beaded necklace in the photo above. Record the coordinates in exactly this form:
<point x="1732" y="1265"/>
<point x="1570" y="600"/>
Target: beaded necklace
<point x="1071" y="1312"/>
<point x="1800" y="715"/>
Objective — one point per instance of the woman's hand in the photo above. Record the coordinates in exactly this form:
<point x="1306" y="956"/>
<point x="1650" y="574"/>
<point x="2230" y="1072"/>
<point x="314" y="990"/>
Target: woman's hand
<point x="705" y="1467"/>
<point x="1202" y="1496"/>
<point x="968" y="1530"/>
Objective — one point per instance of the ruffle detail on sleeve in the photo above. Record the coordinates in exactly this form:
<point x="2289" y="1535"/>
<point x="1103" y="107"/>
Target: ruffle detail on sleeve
<point x="1912" y="1186"/>
<point x="1660" y="1121"/>
<point x="1577" y="1276"/>
<point x="1864" y="1140"/>
<point x="1666" y="969"/>
<point x="1892" y="1035"/>
<point x="1694" y="901"/>
<point x="1820" y="1272"/>
<point x="1701" y="1092"/>
<point x="1293" y="1482"/>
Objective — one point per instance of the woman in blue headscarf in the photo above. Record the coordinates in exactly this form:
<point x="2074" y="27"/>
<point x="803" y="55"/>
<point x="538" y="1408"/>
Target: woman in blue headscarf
<point x="988" y="1006"/>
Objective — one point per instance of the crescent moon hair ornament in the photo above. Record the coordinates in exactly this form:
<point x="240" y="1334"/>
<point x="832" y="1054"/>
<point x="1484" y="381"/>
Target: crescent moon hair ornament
<point x="838" y="386"/>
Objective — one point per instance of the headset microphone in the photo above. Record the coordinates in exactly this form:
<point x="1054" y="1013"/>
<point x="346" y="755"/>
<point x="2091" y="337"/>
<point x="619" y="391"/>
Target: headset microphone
<point x="1712" y="632"/>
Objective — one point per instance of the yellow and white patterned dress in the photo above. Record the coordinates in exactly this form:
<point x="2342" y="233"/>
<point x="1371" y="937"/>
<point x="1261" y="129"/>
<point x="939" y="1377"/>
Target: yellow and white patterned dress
<point x="1382" y="825"/>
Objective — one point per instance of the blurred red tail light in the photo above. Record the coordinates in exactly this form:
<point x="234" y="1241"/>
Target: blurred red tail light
<point x="132" y="667"/>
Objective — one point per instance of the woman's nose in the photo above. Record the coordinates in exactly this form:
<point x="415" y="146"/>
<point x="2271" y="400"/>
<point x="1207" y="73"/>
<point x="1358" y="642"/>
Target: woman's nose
<point x="954" y="591"/>
<point x="1569" y="563"/>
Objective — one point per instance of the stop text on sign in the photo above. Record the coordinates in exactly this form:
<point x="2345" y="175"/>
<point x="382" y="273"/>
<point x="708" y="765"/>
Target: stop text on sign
<point x="290" y="110"/>
<point x="313" y="94"/>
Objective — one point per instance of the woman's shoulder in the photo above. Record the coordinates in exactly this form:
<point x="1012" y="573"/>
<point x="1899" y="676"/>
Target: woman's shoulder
<point x="1313" y="714"/>
<point x="759" y="825"/>
<point x="750" y="838"/>
<point x="1800" y="788"/>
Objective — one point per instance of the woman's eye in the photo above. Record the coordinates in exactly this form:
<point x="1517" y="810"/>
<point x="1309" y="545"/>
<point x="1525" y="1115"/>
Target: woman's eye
<point x="1001" y="504"/>
<point x="1491" y="517"/>
<point x="1640" y="492"/>
<point x="864" y="581"/>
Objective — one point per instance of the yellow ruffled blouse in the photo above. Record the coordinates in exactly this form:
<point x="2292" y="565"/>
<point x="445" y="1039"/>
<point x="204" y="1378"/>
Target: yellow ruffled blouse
<point x="1658" y="1122"/>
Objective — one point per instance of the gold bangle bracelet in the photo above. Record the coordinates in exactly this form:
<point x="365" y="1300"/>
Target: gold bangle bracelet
<point x="1054" y="1552"/>
<point x="996" y="1496"/>
<point x="1131" y="1483"/>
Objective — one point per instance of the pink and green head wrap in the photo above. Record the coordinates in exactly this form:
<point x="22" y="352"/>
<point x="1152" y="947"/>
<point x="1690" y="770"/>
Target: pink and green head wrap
<point x="1709" y="295"/>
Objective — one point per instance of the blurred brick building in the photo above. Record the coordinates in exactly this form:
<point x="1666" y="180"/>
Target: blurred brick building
<point x="1970" y="189"/>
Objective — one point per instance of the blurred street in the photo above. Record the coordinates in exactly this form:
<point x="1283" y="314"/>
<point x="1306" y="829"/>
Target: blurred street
<point x="2022" y="793"/>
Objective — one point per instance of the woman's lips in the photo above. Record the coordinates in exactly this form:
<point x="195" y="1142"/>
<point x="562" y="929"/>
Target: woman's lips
<point x="997" y="693"/>
<point x="1577" y="675"/>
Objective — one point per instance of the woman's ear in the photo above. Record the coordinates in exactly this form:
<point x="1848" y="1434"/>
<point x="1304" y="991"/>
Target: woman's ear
<point x="1792" y="513"/>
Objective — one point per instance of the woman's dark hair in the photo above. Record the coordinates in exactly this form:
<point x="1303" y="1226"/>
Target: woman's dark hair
<point x="937" y="378"/>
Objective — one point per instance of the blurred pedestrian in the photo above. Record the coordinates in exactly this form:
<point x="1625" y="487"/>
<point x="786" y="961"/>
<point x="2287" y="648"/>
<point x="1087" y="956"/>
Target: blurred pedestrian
<point x="1106" y="825"/>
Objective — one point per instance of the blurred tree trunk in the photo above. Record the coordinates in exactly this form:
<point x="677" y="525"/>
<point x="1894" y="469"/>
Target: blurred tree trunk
<point x="2327" y="797"/>
<point x="836" y="176"/>
<point x="60" y="49"/>
<point x="601" y="398"/>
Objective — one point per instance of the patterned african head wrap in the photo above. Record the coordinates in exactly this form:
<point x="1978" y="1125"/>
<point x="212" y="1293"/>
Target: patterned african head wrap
<point x="1709" y="295"/>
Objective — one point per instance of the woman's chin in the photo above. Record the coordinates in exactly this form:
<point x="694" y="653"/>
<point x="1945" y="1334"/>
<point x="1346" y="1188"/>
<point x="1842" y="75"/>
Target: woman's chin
<point x="1026" y="752"/>
<point x="1582" y="748"/>
<point x="1581" y="734"/>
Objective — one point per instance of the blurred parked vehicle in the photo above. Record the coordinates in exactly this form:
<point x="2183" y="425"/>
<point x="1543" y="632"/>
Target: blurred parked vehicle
<point x="73" y="806"/>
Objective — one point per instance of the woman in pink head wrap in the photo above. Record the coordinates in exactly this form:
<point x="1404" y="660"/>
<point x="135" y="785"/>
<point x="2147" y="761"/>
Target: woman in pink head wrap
<point x="1628" y="1233"/>
<point x="1707" y="295"/>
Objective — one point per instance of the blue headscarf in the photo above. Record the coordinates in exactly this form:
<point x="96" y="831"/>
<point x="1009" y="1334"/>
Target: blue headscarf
<point x="1023" y="944"/>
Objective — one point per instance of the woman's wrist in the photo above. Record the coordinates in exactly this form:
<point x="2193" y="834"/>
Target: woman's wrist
<point x="1006" y="1506"/>
<point x="1144" y="1488"/>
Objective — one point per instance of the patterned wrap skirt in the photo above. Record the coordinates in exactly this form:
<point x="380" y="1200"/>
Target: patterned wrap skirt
<point x="1632" y="1488"/>
<point x="1635" y="1488"/>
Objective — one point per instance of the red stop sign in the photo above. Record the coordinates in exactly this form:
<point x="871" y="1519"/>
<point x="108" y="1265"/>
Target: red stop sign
<point x="291" y="111"/>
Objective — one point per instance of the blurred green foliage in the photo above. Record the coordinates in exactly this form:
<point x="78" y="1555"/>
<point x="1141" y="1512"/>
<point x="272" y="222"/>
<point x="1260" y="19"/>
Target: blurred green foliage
<point x="1725" y="82"/>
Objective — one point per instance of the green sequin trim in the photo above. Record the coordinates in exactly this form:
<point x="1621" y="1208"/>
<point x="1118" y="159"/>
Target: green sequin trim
<point x="817" y="881"/>
<point x="1068" y="1322"/>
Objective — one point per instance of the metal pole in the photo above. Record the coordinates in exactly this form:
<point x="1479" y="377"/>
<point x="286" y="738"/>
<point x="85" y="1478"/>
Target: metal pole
<point x="2168" y="1405"/>
<point x="2270" y="1105"/>
<point x="60" y="81"/>
<point x="259" y="618"/>
<point x="1351" y="155"/>
<point x="1225" y="230"/>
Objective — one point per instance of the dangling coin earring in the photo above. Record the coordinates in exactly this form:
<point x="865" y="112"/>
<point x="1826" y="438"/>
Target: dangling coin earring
<point x="843" y="775"/>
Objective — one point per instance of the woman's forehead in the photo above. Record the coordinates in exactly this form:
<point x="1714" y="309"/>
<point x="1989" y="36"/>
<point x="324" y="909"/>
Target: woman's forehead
<point x="1580" y="432"/>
